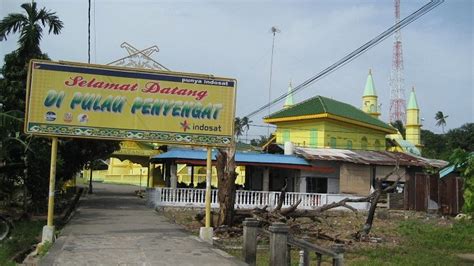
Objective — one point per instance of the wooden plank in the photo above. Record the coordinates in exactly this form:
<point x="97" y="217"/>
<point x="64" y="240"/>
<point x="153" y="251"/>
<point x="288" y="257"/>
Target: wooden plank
<point x="302" y="244"/>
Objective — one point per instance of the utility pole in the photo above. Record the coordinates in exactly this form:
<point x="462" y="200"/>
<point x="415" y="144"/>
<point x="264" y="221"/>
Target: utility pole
<point x="274" y="30"/>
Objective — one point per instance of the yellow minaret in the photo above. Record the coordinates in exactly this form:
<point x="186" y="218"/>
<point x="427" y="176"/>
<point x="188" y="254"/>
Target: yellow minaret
<point x="413" y="126"/>
<point x="369" y="100"/>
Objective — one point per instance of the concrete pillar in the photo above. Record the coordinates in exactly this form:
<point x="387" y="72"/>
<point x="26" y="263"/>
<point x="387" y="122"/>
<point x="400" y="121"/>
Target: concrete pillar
<point x="173" y="175"/>
<point x="151" y="181"/>
<point x="278" y="244"/>
<point x="249" y="251"/>
<point x="302" y="184"/>
<point x="288" y="148"/>
<point x="304" y="257"/>
<point x="266" y="179"/>
<point x="339" y="250"/>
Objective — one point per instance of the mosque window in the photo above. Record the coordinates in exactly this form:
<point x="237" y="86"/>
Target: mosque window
<point x="349" y="144"/>
<point x="313" y="138"/>
<point x="377" y="145"/>
<point x="363" y="143"/>
<point x="286" y="135"/>
<point x="333" y="142"/>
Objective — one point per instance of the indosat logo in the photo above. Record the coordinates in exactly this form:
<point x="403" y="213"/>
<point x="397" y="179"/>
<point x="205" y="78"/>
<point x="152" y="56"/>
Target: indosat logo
<point x="185" y="125"/>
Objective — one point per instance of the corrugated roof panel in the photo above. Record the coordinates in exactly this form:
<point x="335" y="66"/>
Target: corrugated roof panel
<point x="368" y="157"/>
<point x="240" y="157"/>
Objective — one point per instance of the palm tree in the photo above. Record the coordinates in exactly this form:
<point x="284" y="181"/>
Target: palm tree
<point x="30" y="26"/>
<point x="238" y="127"/>
<point x="245" y="123"/>
<point x="441" y="119"/>
<point x="398" y="124"/>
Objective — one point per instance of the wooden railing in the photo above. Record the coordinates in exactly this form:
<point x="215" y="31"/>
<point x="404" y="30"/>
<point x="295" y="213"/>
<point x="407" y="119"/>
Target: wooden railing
<point x="281" y="243"/>
<point x="244" y="199"/>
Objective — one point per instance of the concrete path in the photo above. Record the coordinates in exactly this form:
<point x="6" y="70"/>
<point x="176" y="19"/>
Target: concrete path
<point x="113" y="227"/>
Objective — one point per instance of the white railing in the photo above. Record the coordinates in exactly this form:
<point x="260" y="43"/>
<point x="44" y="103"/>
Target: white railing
<point x="244" y="199"/>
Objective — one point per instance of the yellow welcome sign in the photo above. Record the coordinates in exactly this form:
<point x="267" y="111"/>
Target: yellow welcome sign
<point x="95" y="101"/>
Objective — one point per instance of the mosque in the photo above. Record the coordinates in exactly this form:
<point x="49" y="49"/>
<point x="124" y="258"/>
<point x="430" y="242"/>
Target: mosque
<point x="321" y="122"/>
<point x="318" y="122"/>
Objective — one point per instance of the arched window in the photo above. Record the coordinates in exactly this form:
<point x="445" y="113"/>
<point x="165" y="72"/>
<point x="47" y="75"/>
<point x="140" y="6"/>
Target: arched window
<point x="372" y="108"/>
<point x="363" y="143"/>
<point x="286" y="135"/>
<point x="313" y="138"/>
<point x="333" y="142"/>
<point x="349" y="144"/>
<point x="377" y="145"/>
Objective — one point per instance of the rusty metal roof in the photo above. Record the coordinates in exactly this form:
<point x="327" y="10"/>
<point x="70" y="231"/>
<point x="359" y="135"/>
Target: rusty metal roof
<point x="368" y="157"/>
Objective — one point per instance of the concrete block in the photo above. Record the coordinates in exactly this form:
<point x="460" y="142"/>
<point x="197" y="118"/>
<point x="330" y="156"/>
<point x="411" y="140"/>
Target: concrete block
<point x="48" y="234"/>
<point x="206" y="234"/>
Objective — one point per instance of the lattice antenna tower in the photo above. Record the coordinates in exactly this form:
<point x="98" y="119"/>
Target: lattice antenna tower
<point x="397" y="90"/>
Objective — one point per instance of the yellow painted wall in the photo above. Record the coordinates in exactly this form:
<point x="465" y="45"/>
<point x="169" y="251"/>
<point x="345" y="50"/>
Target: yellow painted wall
<point x="120" y="172"/>
<point x="184" y="175"/>
<point x="329" y="131"/>
<point x="370" y="105"/>
<point x="413" y="127"/>
<point x="300" y="133"/>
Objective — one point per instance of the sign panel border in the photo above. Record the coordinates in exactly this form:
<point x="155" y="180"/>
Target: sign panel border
<point x="120" y="134"/>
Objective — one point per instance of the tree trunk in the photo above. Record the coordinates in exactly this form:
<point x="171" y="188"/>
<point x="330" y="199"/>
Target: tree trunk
<point x="225" y="165"/>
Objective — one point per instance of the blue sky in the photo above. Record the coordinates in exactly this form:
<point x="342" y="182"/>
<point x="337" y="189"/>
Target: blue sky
<point x="232" y="38"/>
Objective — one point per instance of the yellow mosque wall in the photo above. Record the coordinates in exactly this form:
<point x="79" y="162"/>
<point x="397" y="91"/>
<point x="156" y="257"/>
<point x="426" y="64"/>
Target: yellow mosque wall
<point x="120" y="172"/>
<point x="329" y="134"/>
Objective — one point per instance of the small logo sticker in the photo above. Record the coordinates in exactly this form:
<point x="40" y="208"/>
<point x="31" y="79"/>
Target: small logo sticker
<point x="82" y="118"/>
<point x="50" y="116"/>
<point x="185" y="125"/>
<point x="68" y="117"/>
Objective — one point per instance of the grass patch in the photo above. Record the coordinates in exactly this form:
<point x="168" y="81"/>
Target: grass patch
<point x="423" y="243"/>
<point x="24" y="235"/>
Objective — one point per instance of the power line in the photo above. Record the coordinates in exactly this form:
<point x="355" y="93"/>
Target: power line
<point x="356" y="53"/>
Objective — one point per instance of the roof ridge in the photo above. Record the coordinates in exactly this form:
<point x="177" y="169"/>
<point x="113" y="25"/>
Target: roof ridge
<point x="291" y="107"/>
<point x="322" y="103"/>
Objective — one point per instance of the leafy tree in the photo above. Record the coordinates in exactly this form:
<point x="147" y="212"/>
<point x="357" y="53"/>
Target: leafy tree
<point x="30" y="26"/>
<point x="29" y="168"/>
<point x="399" y="126"/>
<point x="245" y="123"/>
<point x="464" y="162"/>
<point x="238" y="127"/>
<point x="462" y="137"/>
<point x="441" y="119"/>
<point x="434" y="145"/>
<point x="260" y="141"/>
<point x="440" y="146"/>
<point x="241" y="125"/>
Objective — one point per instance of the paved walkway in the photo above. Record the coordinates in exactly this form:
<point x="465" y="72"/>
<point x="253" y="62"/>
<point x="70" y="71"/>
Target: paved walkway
<point x="113" y="227"/>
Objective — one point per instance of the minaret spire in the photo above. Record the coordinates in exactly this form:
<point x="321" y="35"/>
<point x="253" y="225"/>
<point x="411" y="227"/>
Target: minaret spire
<point x="413" y="126"/>
<point x="370" y="98"/>
<point x="289" y="98"/>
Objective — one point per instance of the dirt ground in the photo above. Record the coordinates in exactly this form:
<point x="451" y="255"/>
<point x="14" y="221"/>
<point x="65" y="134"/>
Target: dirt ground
<point x="338" y="224"/>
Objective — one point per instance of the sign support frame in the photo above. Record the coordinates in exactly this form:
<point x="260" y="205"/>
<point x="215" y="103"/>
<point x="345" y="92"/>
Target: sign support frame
<point x="48" y="229"/>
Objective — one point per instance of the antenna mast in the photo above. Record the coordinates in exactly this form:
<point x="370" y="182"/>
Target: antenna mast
<point x="274" y="30"/>
<point x="397" y="90"/>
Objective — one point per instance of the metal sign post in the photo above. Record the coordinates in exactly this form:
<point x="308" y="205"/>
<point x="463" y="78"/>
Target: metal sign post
<point x="206" y="233"/>
<point x="48" y="229"/>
